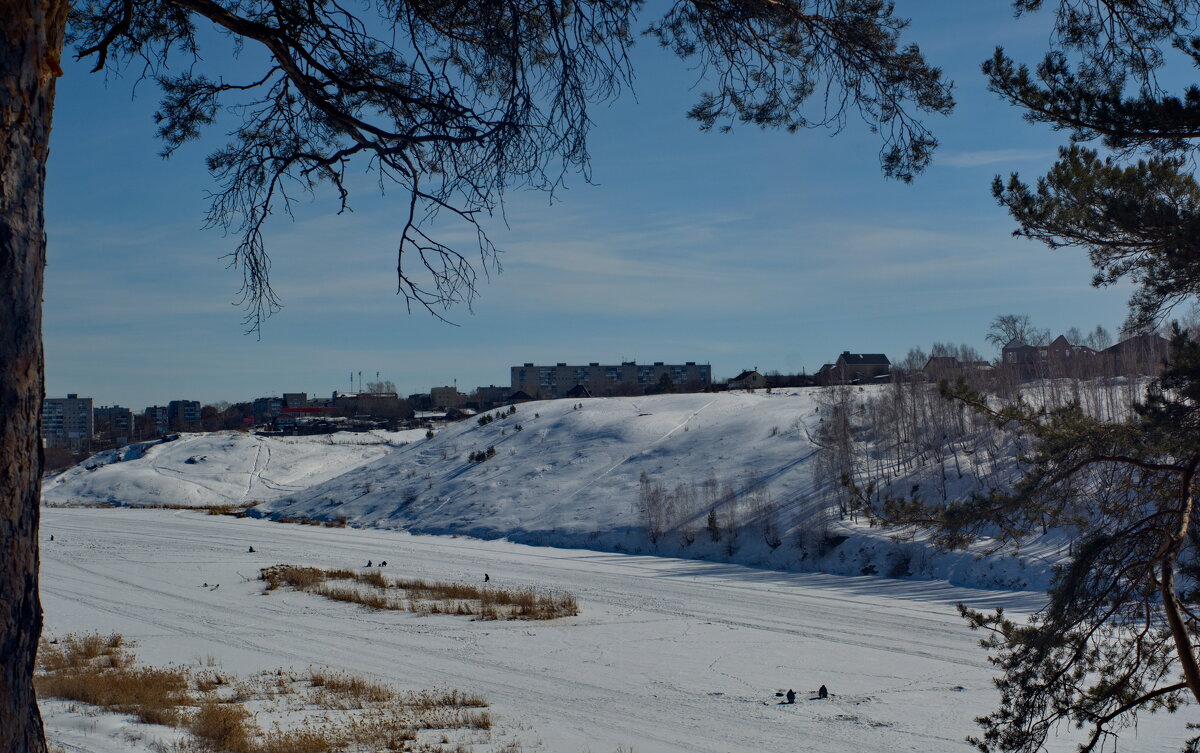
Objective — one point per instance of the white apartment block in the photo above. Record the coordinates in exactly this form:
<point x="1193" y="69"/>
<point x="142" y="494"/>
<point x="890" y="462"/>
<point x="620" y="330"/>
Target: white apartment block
<point x="549" y="382"/>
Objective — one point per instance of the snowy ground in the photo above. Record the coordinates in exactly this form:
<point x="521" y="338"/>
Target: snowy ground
<point x="667" y="655"/>
<point x="222" y="468"/>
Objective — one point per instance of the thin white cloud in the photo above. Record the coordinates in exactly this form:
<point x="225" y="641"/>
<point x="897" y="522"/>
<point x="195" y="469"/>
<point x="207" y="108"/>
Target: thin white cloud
<point x="981" y="157"/>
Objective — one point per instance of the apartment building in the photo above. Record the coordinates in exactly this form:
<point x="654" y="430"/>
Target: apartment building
<point x="67" y="422"/>
<point x="183" y="414"/>
<point x="627" y="378"/>
<point x="112" y="423"/>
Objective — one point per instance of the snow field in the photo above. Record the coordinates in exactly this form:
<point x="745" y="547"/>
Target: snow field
<point x="667" y="655"/>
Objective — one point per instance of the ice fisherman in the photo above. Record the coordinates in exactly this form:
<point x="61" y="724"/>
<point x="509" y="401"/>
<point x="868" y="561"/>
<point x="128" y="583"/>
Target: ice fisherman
<point x="791" y="696"/>
<point x="823" y="692"/>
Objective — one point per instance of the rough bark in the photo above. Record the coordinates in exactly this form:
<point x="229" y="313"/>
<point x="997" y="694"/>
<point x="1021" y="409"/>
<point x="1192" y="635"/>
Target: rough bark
<point x="31" y="38"/>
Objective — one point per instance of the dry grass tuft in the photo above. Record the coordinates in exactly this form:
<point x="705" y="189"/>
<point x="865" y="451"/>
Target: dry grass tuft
<point x="336" y="523"/>
<point x="152" y="695"/>
<point x="307" y="740"/>
<point x="350" y="688"/>
<point x="431" y="699"/>
<point x="224" y="726"/>
<point x="78" y="652"/>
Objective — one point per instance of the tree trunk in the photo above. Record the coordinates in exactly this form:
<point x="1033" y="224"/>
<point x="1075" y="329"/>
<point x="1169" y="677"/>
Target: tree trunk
<point x="31" y="38"/>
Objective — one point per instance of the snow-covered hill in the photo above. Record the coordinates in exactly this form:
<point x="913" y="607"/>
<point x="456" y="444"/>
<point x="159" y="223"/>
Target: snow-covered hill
<point x="572" y="475"/>
<point x="225" y="468"/>
<point x="732" y="473"/>
<point x="572" y="471"/>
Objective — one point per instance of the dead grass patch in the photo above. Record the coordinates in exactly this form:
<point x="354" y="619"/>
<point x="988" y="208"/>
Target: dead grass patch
<point x="151" y="694"/>
<point x="333" y="711"/>
<point x="76" y="652"/>
<point x="373" y="589"/>
<point x="336" y="523"/>
<point x="352" y="690"/>
<point x="223" y="726"/>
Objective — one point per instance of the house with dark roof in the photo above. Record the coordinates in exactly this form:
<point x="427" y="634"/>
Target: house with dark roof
<point x="856" y="368"/>
<point x="1060" y="358"/>
<point x="748" y="380"/>
<point x="1140" y="355"/>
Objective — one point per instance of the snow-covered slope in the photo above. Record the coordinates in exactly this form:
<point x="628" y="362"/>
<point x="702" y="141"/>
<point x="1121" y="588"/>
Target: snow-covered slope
<point x="215" y="469"/>
<point x="572" y="477"/>
<point x="571" y="474"/>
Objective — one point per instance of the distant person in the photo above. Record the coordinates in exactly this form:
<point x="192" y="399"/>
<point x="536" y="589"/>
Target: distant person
<point x="791" y="696"/>
<point x="486" y="577"/>
<point x="52" y="537"/>
<point x="383" y="564"/>
<point x="250" y="550"/>
<point x="823" y="692"/>
<point x="368" y="563"/>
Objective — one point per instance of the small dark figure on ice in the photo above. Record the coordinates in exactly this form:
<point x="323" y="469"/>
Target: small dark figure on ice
<point x="250" y="550"/>
<point x="368" y="563"/>
<point x="791" y="696"/>
<point x="823" y="692"/>
<point x="383" y="564"/>
<point x="486" y="577"/>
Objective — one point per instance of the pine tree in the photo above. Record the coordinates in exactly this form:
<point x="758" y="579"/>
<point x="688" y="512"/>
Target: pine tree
<point x="1136" y="210"/>
<point x="1116" y="637"/>
<point x="713" y="525"/>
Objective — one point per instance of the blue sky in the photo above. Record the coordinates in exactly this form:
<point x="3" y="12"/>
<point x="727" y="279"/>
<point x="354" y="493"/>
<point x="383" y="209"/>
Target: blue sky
<point x="747" y="249"/>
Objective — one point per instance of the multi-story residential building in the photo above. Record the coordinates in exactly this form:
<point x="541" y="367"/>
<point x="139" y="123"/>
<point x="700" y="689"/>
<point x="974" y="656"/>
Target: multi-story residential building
<point x="267" y="407"/>
<point x="447" y="397"/>
<point x="67" y="422"/>
<point x="159" y="417"/>
<point x="183" y="414"/>
<point x="112" y="423"/>
<point x="627" y="378"/>
<point x="486" y="397"/>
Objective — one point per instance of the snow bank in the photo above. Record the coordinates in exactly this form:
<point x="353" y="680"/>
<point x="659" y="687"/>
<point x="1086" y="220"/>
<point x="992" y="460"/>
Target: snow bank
<point x="224" y="468"/>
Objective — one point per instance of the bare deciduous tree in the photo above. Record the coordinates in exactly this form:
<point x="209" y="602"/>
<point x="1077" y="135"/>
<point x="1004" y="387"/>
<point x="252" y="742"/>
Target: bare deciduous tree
<point x="1008" y="327"/>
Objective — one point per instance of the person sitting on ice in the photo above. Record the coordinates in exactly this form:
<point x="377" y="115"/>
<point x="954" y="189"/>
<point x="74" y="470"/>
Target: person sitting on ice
<point x="791" y="696"/>
<point x="823" y="692"/>
<point x="368" y="563"/>
<point x="250" y="550"/>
